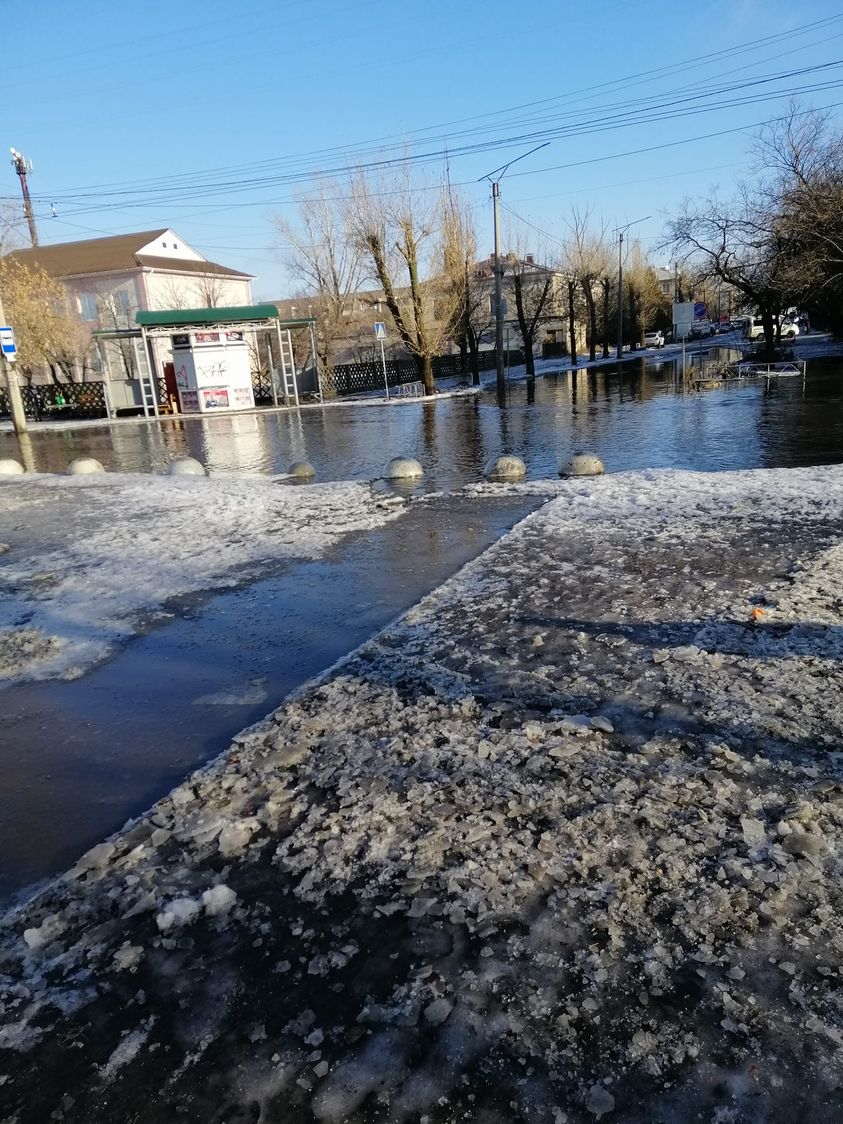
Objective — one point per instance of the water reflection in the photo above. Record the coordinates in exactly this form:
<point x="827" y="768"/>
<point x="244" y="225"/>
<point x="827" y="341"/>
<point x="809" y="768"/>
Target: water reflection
<point x="647" y="418"/>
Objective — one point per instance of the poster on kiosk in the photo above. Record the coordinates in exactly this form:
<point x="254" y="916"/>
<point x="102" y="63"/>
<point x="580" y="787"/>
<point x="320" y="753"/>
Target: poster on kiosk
<point x="213" y="372"/>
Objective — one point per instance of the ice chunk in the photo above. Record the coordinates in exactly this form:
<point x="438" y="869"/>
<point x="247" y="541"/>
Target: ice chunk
<point x="218" y="900"/>
<point x="437" y="1011"/>
<point x="599" y="1101"/>
<point x="176" y="913"/>
<point x="50" y="928"/>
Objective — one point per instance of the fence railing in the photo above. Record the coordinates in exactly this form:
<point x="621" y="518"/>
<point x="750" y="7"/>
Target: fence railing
<point x="68" y="400"/>
<point x="360" y="378"/>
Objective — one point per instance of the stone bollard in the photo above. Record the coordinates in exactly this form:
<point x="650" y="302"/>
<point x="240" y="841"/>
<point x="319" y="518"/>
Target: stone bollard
<point x="10" y="467"/>
<point x="506" y="468"/>
<point x="84" y="466"/>
<point x="301" y="470"/>
<point x="186" y="466"/>
<point x="403" y="468"/>
<point x="582" y="464"/>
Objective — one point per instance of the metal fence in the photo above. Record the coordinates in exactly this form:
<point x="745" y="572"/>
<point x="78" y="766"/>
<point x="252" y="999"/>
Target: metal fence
<point x="359" y="378"/>
<point x="67" y="400"/>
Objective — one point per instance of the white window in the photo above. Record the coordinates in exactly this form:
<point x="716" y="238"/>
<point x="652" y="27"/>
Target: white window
<point x="88" y="306"/>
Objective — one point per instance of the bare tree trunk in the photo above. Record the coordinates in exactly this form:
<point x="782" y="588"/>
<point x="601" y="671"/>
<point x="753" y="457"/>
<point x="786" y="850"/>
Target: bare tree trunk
<point x="473" y="355"/>
<point x="572" y="324"/>
<point x="424" y="364"/>
<point x="607" y="285"/>
<point x="768" y="320"/>
<point x="526" y="329"/>
<point x="591" y="310"/>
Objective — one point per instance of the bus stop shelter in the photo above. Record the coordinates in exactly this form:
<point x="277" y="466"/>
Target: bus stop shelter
<point x="255" y="320"/>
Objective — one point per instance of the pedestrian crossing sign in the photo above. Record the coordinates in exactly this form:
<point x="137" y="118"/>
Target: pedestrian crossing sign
<point x="380" y="330"/>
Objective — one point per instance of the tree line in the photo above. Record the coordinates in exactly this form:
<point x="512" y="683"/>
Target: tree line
<point x="415" y="245"/>
<point x="778" y="240"/>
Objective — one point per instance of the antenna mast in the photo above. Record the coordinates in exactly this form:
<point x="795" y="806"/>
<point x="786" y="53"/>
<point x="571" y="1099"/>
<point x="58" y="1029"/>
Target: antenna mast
<point x="23" y="166"/>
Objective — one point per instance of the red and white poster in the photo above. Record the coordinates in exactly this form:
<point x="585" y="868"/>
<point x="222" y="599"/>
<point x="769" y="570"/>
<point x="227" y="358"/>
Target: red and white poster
<point x="215" y="398"/>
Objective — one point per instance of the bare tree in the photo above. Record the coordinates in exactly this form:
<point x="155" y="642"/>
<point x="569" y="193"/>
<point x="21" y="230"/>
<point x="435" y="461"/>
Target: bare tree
<point x="118" y="314"/>
<point x="587" y="258"/>
<point x="740" y="242"/>
<point x="643" y="294"/>
<point x="534" y="286"/>
<point x="469" y="293"/>
<point x="327" y="263"/>
<point x="800" y="160"/>
<point x="400" y="229"/>
<point x="13" y="233"/>
<point x="173" y="295"/>
<point x="211" y="290"/>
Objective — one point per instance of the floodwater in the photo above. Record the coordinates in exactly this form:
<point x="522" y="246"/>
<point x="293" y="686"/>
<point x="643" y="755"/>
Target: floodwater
<point x="78" y="758"/>
<point x="641" y="420"/>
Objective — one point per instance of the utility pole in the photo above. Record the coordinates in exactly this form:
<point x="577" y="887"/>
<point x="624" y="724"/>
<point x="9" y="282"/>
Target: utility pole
<point x="23" y="166"/>
<point x="621" y="231"/>
<point x="10" y="381"/>
<point x="498" y="271"/>
<point x="498" y="268"/>
<point x="620" y="295"/>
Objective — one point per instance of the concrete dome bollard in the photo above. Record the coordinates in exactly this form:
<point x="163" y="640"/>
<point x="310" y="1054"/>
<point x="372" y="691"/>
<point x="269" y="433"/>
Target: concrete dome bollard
<point x="506" y="468"/>
<point x="582" y="464"/>
<point x="84" y="466"/>
<point x="301" y="470"/>
<point x="186" y="466"/>
<point x="10" y="467"/>
<point x="403" y="468"/>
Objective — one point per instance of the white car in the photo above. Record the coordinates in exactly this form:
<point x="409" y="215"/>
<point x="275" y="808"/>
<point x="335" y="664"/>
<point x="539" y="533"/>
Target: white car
<point x="754" y="329"/>
<point x="654" y="339"/>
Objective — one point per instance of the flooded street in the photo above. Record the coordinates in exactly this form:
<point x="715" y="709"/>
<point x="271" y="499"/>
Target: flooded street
<point x="77" y="758"/>
<point x="640" y="421"/>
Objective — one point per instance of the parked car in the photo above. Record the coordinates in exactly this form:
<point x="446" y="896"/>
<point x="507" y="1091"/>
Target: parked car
<point x="654" y="339"/>
<point x="754" y="329"/>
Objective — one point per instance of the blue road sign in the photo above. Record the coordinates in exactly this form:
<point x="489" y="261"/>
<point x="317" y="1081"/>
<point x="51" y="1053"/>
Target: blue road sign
<point x="7" y="342"/>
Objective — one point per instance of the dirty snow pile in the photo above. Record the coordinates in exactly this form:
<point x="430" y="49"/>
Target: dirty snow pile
<point x="562" y="844"/>
<point x="93" y="560"/>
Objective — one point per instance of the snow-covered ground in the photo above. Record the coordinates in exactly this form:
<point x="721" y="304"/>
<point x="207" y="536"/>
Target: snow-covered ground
<point x="561" y="844"/>
<point x="135" y="542"/>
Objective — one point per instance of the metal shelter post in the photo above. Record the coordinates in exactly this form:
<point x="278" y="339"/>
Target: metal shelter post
<point x="272" y="383"/>
<point x="281" y="364"/>
<point x="109" y="405"/>
<point x="147" y="386"/>
<point x="315" y="361"/>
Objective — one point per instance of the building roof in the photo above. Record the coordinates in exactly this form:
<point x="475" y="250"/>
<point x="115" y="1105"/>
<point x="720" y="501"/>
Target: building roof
<point x="112" y="254"/>
<point x="186" y="265"/>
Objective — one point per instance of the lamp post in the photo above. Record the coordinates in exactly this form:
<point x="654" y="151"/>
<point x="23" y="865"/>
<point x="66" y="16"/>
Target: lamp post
<point x="499" y="173"/>
<point x="621" y="231"/>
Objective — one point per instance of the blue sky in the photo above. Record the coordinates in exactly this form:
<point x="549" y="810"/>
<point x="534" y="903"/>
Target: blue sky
<point x="198" y="115"/>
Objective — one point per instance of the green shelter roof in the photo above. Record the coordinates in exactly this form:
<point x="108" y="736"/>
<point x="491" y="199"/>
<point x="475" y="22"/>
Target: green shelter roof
<point x="180" y="317"/>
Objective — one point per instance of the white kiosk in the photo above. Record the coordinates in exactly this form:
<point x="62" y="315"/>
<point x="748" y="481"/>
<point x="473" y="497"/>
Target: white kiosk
<point x="213" y="371"/>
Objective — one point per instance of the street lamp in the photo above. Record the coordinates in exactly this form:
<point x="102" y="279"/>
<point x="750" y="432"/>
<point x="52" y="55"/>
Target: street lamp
<point x="621" y="231"/>
<point x="498" y="268"/>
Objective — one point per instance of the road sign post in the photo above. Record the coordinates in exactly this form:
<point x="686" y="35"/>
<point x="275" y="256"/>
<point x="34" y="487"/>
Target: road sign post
<point x="8" y="355"/>
<point x="380" y="336"/>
